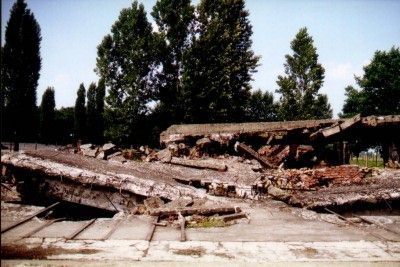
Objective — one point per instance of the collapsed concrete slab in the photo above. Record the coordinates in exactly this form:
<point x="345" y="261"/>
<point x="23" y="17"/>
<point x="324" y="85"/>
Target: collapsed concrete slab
<point x="124" y="186"/>
<point x="83" y="180"/>
<point x="294" y="143"/>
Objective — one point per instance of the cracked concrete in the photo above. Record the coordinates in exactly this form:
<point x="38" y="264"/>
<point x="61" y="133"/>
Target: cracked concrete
<point x="276" y="233"/>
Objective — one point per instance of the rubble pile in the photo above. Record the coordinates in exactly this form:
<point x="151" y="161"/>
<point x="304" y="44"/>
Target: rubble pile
<point x="321" y="177"/>
<point x="277" y="160"/>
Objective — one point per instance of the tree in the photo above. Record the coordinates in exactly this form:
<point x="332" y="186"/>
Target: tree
<point x="353" y="102"/>
<point x="124" y="61"/>
<point x="47" y="116"/>
<point x="80" y="114"/>
<point x="94" y="112"/>
<point x="65" y="125"/>
<point x="21" y="65"/>
<point x="261" y="107"/>
<point x="219" y="63"/>
<point x="91" y="112"/>
<point x="99" y="121"/>
<point x="303" y="78"/>
<point x="379" y="92"/>
<point x="173" y="20"/>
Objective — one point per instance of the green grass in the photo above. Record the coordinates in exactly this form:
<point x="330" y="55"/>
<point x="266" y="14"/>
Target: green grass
<point x="372" y="162"/>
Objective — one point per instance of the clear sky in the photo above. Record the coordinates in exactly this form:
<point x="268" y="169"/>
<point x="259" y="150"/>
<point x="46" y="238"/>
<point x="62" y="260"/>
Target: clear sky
<point x="346" y="34"/>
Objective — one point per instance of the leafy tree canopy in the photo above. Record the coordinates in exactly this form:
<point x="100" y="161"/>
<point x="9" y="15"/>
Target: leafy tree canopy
<point x="173" y="19"/>
<point x="261" y="107"/>
<point x="379" y="92"/>
<point x="219" y="64"/>
<point x="124" y="61"/>
<point x="300" y="85"/>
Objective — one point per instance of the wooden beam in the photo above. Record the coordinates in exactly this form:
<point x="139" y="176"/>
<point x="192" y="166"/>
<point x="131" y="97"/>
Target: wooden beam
<point x="248" y="150"/>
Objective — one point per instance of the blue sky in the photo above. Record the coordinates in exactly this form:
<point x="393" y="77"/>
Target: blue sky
<point x="346" y="34"/>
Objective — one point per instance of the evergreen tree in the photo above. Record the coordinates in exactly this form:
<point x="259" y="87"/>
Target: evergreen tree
<point x="261" y="107"/>
<point x="80" y="114"/>
<point x="21" y="64"/>
<point x="124" y="61"/>
<point x="219" y="63"/>
<point x="91" y="112"/>
<point x="173" y="19"/>
<point x="47" y="112"/>
<point x="303" y="78"/>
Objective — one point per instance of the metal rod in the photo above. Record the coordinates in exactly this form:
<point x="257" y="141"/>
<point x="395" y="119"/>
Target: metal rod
<point x="150" y="234"/>
<point x="110" y="201"/>
<point x="34" y="231"/>
<point x="28" y="218"/>
<point x="115" y="226"/>
<point x="352" y="223"/>
<point x="377" y="224"/>
<point x="81" y="229"/>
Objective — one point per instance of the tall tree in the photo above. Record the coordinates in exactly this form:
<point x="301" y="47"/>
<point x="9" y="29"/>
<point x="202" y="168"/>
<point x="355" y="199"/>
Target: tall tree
<point x="91" y="112"/>
<point x="303" y="78"/>
<point x="21" y="65"/>
<point x="99" y="121"/>
<point x="80" y="114"/>
<point x="219" y="64"/>
<point x="94" y="112"/>
<point x="379" y="92"/>
<point x="124" y="61"/>
<point x="261" y="107"/>
<point x="173" y="19"/>
<point x="47" y="116"/>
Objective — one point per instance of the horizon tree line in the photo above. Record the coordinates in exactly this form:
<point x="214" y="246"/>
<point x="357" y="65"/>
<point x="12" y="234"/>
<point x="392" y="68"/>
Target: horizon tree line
<point x="195" y="67"/>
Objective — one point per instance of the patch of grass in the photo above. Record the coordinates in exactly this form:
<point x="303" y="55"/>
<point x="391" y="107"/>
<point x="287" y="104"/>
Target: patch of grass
<point x="197" y="251"/>
<point x="208" y="223"/>
<point x="371" y="162"/>
<point x="37" y="253"/>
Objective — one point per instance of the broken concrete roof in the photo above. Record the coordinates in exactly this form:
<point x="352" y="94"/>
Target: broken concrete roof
<point x="306" y="129"/>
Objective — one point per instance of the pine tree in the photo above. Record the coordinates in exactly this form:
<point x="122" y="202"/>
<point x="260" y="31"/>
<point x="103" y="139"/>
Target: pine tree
<point x="219" y="63"/>
<point x="21" y="65"/>
<point x="47" y="112"/>
<point x="303" y="78"/>
<point x="124" y="61"/>
<point x="80" y="114"/>
<point x="173" y="19"/>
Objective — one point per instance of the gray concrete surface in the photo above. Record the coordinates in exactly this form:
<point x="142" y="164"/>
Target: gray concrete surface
<point x="275" y="233"/>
